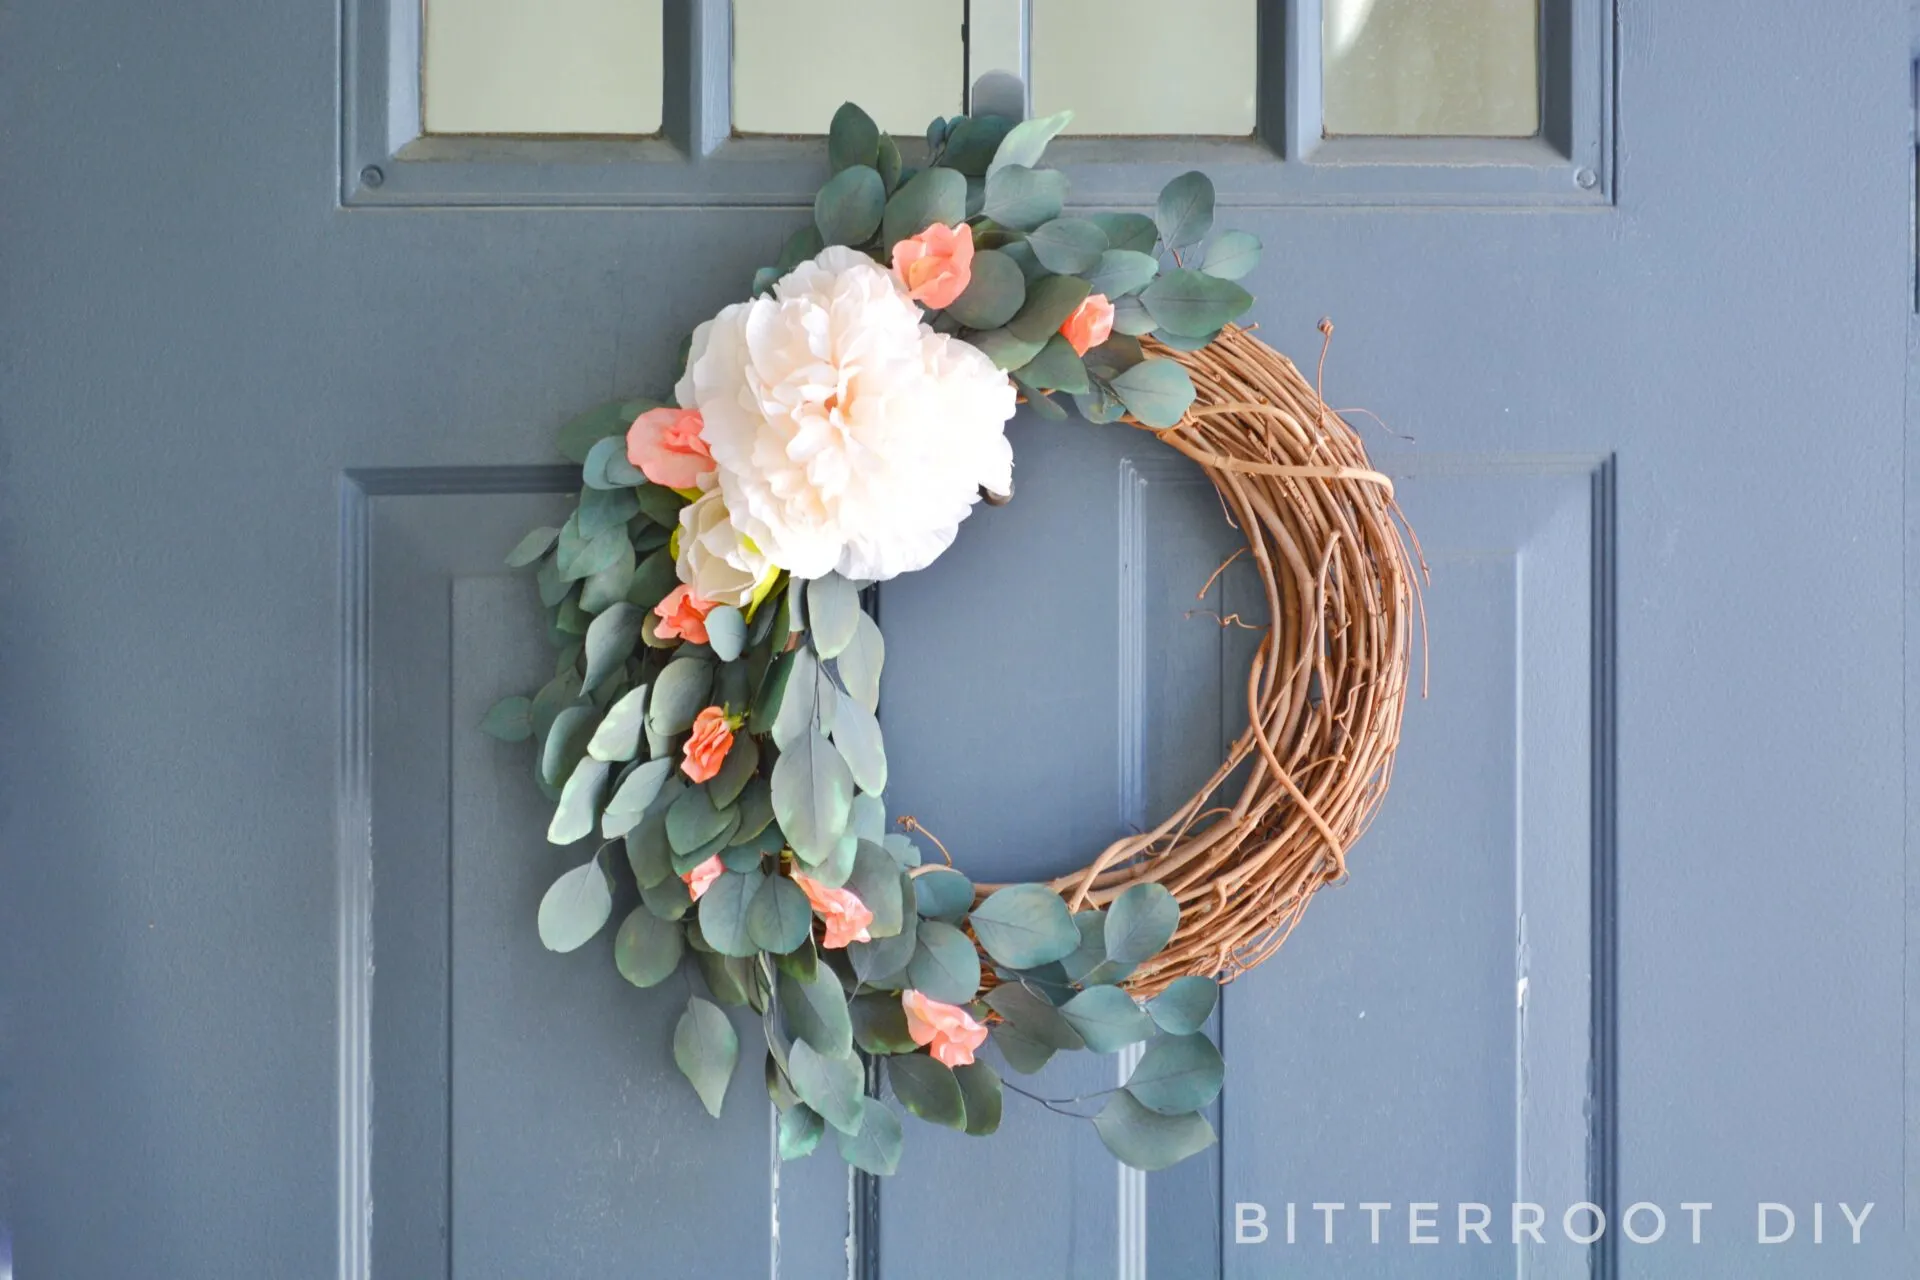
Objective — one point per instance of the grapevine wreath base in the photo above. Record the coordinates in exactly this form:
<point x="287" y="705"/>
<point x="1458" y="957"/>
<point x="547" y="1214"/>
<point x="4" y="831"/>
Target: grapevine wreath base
<point x="712" y="715"/>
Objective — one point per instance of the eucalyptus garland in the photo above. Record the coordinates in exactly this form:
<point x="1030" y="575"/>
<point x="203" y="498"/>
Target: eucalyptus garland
<point x="713" y="716"/>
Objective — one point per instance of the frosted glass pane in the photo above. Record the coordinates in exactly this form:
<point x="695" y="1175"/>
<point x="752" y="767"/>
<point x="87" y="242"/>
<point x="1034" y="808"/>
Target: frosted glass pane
<point x="558" y="66"/>
<point x="1146" y="66"/>
<point x="796" y="61"/>
<point x="1459" y="68"/>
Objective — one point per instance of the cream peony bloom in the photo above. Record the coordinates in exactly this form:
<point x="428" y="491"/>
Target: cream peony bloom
<point x="847" y="434"/>
<point x="715" y="560"/>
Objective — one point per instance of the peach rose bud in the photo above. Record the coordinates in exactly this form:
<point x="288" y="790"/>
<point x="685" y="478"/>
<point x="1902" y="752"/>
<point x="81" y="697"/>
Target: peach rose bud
<point x="846" y="916"/>
<point x="701" y="878"/>
<point x="712" y="737"/>
<point x="935" y="265"/>
<point x="666" y="445"/>
<point x="683" y="615"/>
<point x="1090" y="324"/>
<point x="946" y="1030"/>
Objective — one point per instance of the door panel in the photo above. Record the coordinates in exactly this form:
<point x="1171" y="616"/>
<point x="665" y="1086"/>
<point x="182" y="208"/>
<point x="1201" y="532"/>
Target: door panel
<point x="274" y="1002"/>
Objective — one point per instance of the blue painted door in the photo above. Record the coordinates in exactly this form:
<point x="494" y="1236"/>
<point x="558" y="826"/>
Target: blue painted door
<point x="280" y="384"/>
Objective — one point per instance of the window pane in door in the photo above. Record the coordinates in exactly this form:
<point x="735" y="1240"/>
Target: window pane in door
<point x="559" y="66"/>
<point x="796" y="61"/>
<point x="1146" y="66"/>
<point x="1458" y="68"/>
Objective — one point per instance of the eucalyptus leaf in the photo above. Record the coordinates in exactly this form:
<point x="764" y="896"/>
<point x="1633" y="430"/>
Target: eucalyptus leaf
<point x="1184" y="213"/>
<point x="812" y="795"/>
<point x="973" y="143"/>
<point x="852" y="139"/>
<point x="553" y="587"/>
<point x="1027" y="141"/>
<point x="884" y="961"/>
<point x="875" y="1146"/>
<point x="510" y="719"/>
<point x="1006" y="351"/>
<point x="610" y="641"/>
<point x="993" y="294"/>
<point x="647" y="949"/>
<point x="888" y="162"/>
<point x="532" y="547"/>
<point x="833" y="609"/>
<point x="1144" y="1139"/>
<point x="1193" y="304"/>
<point x="869" y="820"/>
<point x="729" y="978"/>
<point x="849" y="207"/>
<point x="611" y="584"/>
<point x="1034" y="1017"/>
<point x="1120" y="272"/>
<point x="980" y="1088"/>
<point x="1158" y="392"/>
<point x="679" y="694"/>
<point x="779" y="918"/>
<point x="800" y="1130"/>
<point x="803" y="245"/>
<point x="944" y="966"/>
<point x="857" y="734"/>
<point x="706" y="1048"/>
<point x="667" y="898"/>
<point x="1056" y="368"/>
<point x="860" y="663"/>
<point x="648" y="856"/>
<point x="928" y="1089"/>
<point x="1068" y="246"/>
<point x="579" y="800"/>
<point x="602" y="509"/>
<point x="693" y="821"/>
<point x="575" y="907"/>
<point x="726" y="632"/>
<point x="597" y="553"/>
<point x="743" y="757"/>
<point x="830" y="1085"/>
<point x="1133" y="231"/>
<point x="1140" y="922"/>
<point x="875" y="879"/>
<point x="1050" y="300"/>
<point x="653" y="578"/>
<point x="1025" y="925"/>
<point x="1107" y="1018"/>
<point x="1023" y="198"/>
<point x="724" y="910"/>
<point x="1232" y="255"/>
<point x="632" y="798"/>
<point x="880" y="1024"/>
<point x="1131" y="317"/>
<point x="618" y="735"/>
<point x="799" y="698"/>
<point x="1177" y="1074"/>
<point x="660" y="504"/>
<point x="816" y="1011"/>
<point x="1022" y="1052"/>
<point x="930" y="196"/>
<point x="942" y="894"/>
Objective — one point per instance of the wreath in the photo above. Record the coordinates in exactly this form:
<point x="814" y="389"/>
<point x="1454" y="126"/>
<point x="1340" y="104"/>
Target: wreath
<point x="713" y="711"/>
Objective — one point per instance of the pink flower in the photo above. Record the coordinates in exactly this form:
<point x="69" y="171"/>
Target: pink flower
<point x="701" y="878"/>
<point x="683" y="614"/>
<point x="950" y="1030"/>
<point x="847" y="917"/>
<point x="1090" y="324"/>
<point x="712" y="738"/>
<point x="936" y="265"/>
<point x="667" y="447"/>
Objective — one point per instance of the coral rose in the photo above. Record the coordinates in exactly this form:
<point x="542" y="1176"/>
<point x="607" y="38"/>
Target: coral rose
<point x="711" y="740"/>
<point x="936" y="265"/>
<point x="665" y="445"/>
<point x="1090" y="324"/>
<point x="949" y="1032"/>
<point x="846" y="916"/>
<point x="701" y="878"/>
<point x="683" y="615"/>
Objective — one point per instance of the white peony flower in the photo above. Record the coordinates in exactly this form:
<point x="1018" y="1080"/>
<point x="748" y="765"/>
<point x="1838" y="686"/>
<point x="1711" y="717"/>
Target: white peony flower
<point x="847" y="434"/>
<point x="715" y="559"/>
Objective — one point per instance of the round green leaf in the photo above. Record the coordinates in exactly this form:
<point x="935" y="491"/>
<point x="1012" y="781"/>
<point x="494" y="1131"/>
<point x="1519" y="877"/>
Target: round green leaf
<point x="610" y="640"/>
<point x="1184" y="1007"/>
<point x="1023" y="198"/>
<point x="1033" y="1017"/>
<point x="779" y="917"/>
<point x="692" y="820"/>
<point x="829" y="1085"/>
<point x="1193" y="304"/>
<point x="743" y="757"/>
<point x="532" y="547"/>
<point x="1022" y="1052"/>
<point x="849" y="207"/>
<point x="857" y="734"/>
<point x="618" y="735"/>
<point x="632" y="799"/>
<point x="510" y="719"/>
<point x="723" y="912"/>
<point x="1068" y="246"/>
<point x="1177" y="1074"/>
<point x="705" y="1048"/>
<point x="816" y="1011"/>
<point x="993" y="295"/>
<point x="875" y="1146"/>
<point x="1145" y="1139"/>
<point x="1232" y="255"/>
<point x="679" y="694"/>
<point x="1133" y="231"/>
<point x="575" y="907"/>
<point x="880" y="1023"/>
<point x="859" y="664"/>
<point x="1107" y="1018"/>
<point x="1056" y="368"/>
<point x="1158" y="392"/>
<point x="1184" y="212"/>
<point x="1140" y="922"/>
<point x="795" y="678"/>
<point x="944" y="966"/>
<point x="876" y="880"/>
<point x="726" y="632"/>
<point x="1005" y="350"/>
<point x="928" y="1089"/>
<point x="812" y="795"/>
<point x="1027" y="141"/>
<point x="1050" y="300"/>
<point x="930" y="196"/>
<point x="980" y="1089"/>
<point x="853" y="138"/>
<point x="942" y="894"/>
<point x="1025" y="925"/>
<point x="833" y="611"/>
<point x="1120" y="272"/>
<point x="647" y="949"/>
<point x="568" y="734"/>
<point x="883" y="962"/>
<point x="573" y="816"/>
<point x="800" y="1130"/>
